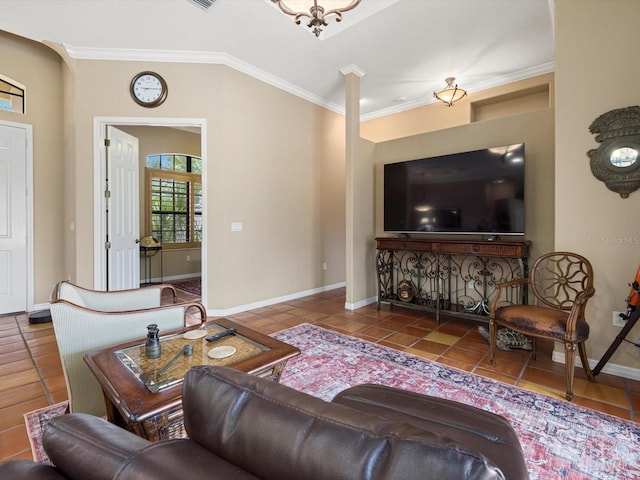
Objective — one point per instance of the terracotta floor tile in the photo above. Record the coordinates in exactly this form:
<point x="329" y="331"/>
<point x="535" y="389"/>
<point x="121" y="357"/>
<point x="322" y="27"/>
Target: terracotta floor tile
<point x="422" y="353"/>
<point x="17" y="366"/>
<point x="21" y="394"/>
<point x="468" y="367"/>
<point x="429" y="346"/>
<point x="376" y="332"/>
<point x="425" y="323"/>
<point x="602" y="407"/>
<point x="602" y="393"/>
<point x="511" y="369"/>
<point x="454" y="329"/>
<point x="466" y="356"/>
<point x="473" y="346"/>
<point x="440" y="337"/>
<point x="12" y="347"/>
<point x="391" y="324"/>
<point x="15" y="338"/>
<point x="414" y="331"/>
<point x="501" y="377"/>
<point x="13" y="440"/>
<point x="544" y="378"/>
<point x="19" y="379"/>
<point x="364" y="336"/>
<point x="545" y="390"/>
<point x="13" y="415"/>
<point x="401" y="339"/>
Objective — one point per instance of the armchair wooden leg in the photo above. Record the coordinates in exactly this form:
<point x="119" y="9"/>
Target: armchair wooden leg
<point x="534" y="347"/>
<point x="493" y="335"/>
<point x="570" y="358"/>
<point x="582" y="349"/>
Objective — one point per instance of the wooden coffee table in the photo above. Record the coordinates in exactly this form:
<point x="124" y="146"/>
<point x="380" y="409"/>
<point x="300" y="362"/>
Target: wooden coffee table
<point x="150" y="405"/>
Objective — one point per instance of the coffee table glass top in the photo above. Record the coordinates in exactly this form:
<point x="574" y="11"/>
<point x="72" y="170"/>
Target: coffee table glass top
<point x="171" y="366"/>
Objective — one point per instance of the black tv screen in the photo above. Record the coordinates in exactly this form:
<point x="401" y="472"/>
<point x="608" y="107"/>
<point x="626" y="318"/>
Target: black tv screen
<point x="477" y="192"/>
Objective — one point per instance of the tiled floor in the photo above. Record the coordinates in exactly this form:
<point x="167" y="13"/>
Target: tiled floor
<point x="31" y="376"/>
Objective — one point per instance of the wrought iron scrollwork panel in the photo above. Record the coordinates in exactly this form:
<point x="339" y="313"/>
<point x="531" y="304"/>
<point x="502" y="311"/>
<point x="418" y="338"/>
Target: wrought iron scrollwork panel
<point x="475" y="280"/>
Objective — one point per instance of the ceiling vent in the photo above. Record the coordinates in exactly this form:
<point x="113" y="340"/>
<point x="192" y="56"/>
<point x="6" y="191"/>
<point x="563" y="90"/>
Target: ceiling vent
<point x="204" y="3"/>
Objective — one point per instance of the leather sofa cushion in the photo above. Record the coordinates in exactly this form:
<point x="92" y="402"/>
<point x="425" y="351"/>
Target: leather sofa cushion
<point x="278" y="433"/>
<point x="179" y="459"/>
<point x="487" y="432"/>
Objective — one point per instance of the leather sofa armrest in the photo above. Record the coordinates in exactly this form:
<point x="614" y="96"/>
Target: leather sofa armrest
<point x="84" y="446"/>
<point x="28" y="470"/>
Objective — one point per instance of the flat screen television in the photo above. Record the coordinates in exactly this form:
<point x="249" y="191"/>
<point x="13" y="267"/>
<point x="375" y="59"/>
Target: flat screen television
<point x="477" y="192"/>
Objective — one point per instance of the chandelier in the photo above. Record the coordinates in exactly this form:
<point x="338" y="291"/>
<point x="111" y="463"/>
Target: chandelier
<point x="451" y="93"/>
<point x="316" y="14"/>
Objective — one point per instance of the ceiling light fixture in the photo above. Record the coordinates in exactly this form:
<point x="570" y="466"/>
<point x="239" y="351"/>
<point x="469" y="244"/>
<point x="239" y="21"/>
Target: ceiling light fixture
<point x="316" y="13"/>
<point x="451" y="93"/>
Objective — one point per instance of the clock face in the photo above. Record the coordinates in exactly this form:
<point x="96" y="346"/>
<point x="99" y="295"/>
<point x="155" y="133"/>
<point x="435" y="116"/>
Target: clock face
<point x="148" y="89"/>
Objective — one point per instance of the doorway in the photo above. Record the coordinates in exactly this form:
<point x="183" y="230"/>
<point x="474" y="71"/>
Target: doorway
<point x="16" y="217"/>
<point x="101" y="124"/>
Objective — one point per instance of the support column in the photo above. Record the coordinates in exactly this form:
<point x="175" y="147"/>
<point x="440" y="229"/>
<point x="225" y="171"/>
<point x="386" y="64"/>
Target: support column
<point x="355" y="192"/>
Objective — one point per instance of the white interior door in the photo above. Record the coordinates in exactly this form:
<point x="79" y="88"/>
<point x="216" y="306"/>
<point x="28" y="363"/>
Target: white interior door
<point x="123" y="211"/>
<point x="13" y="219"/>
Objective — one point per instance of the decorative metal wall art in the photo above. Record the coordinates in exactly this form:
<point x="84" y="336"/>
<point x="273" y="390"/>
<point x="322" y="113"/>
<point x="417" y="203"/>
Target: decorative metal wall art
<point x="615" y="162"/>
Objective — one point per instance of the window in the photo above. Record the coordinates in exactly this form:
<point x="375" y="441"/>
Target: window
<point x="174" y="186"/>
<point x="11" y="95"/>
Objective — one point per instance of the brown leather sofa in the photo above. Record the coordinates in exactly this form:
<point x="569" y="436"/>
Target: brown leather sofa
<point x="244" y="427"/>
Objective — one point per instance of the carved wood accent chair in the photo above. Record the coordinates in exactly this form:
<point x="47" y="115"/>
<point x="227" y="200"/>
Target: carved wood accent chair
<point x="561" y="284"/>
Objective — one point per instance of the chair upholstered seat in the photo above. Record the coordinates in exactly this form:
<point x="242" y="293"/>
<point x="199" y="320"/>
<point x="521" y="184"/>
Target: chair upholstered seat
<point x="541" y="321"/>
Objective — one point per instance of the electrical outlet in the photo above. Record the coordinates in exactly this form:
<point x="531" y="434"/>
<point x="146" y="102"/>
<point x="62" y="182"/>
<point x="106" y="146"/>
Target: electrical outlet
<point x="188" y="258"/>
<point x="618" y="321"/>
<point x="324" y="265"/>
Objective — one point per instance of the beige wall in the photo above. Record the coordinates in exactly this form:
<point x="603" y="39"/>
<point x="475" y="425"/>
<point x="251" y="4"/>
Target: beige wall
<point x="274" y="162"/>
<point x="153" y="140"/>
<point x="535" y="129"/>
<point x="534" y="93"/>
<point x="38" y="68"/>
<point x="596" y="48"/>
<point x="270" y="164"/>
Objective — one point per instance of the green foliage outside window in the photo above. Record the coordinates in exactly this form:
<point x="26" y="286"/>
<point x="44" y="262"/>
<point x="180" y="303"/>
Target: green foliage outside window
<point x="175" y="198"/>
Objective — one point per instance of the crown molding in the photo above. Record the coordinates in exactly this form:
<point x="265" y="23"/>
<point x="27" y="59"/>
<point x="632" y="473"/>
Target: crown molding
<point x="478" y="86"/>
<point x="346" y="70"/>
<point x="215" y="58"/>
<point x="222" y="58"/>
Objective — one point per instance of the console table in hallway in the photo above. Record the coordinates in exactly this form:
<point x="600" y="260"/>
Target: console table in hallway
<point x="456" y="277"/>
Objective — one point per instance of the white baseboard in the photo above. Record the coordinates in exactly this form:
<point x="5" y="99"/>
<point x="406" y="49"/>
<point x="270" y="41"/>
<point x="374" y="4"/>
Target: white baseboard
<point x="40" y="306"/>
<point x="360" y="304"/>
<point x="272" y="301"/>
<point x="610" y="368"/>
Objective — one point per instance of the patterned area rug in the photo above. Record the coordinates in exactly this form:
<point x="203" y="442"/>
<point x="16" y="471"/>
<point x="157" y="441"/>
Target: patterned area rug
<point x="190" y="286"/>
<point x="35" y="422"/>
<point x="560" y="440"/>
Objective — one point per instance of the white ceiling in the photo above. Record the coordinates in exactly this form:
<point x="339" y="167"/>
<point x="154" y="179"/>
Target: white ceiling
<point x="405" y="48"/>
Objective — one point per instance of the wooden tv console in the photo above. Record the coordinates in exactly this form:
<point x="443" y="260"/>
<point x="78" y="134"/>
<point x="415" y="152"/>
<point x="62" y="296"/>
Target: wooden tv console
<point x="452" y="277"/>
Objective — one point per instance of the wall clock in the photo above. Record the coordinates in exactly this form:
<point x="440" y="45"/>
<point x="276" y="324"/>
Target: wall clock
<point x="148" y="89"/>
